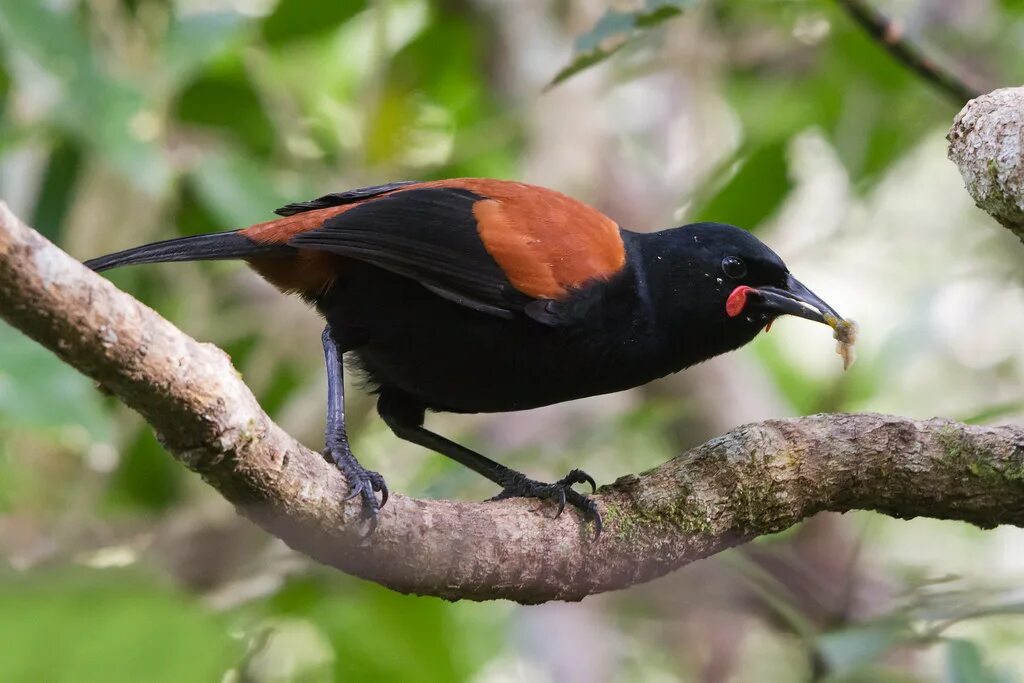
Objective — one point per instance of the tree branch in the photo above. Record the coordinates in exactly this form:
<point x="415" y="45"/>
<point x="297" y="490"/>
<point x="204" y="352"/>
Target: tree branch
<point x="986" y="142"/>
<point x="757" y="479"/>
<point x="891" y="37"/>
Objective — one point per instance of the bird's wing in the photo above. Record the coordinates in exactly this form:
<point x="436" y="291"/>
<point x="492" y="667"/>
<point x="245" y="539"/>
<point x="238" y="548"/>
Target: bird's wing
<point x="496" y="246"/>
<point x="342" y="198"/>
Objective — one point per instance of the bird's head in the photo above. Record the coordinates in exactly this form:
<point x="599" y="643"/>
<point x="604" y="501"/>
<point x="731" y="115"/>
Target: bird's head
<point x="724" y="286"/>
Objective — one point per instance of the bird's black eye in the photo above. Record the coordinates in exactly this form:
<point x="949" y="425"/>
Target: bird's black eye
<point x="733" y="267"/>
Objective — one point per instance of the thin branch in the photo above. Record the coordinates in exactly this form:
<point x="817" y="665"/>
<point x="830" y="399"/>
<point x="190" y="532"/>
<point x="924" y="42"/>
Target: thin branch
<point x="755" y="480"/>
<point x="891" y="36"/>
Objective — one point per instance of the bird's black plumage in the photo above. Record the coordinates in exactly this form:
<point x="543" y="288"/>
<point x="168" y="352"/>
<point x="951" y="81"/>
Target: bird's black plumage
<point x="481" y="296"/>
<point x="664" y="311"/>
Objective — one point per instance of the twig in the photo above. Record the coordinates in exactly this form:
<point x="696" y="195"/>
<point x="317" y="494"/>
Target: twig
<point x="755" y="480"/>
<point x="891" y="36"/>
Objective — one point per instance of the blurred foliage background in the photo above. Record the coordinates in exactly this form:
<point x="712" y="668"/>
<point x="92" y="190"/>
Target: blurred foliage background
<point x="123" y="121"/>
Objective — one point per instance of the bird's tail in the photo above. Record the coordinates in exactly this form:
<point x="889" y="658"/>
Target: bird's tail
<point x="209" y="247"/>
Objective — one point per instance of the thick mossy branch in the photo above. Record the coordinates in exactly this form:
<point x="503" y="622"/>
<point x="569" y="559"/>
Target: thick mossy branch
<point x="755" y="480"/>
<point x="986" y="143"/>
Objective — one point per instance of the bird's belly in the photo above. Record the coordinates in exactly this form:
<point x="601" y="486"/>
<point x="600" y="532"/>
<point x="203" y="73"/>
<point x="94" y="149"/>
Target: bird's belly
<point x="455" y="359"/>
<point x="464" y="373"/>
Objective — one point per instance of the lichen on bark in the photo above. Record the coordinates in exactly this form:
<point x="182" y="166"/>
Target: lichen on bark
<point x="986" y="142"/>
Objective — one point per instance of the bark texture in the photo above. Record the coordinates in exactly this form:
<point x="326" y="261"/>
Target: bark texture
<point x="986" y="142"/>
<point x="754" y="480"/>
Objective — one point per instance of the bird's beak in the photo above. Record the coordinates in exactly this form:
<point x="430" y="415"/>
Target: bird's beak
<point x="796" y="299"/>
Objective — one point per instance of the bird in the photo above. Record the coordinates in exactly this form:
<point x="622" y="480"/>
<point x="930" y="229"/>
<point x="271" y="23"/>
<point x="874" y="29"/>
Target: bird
<point x="476" y="295"/>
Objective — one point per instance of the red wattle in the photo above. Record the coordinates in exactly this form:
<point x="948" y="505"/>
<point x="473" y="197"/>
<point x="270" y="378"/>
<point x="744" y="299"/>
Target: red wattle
<point x="737" y="301"/>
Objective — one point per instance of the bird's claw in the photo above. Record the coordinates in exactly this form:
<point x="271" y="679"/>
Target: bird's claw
<point x="578" y="477"/>
<point x="561" y="501"/>
<point x="379" y="485"/>
<point x="561" y="492"/>
<point x="362" y="482"/>
<point x="356" y="490"/>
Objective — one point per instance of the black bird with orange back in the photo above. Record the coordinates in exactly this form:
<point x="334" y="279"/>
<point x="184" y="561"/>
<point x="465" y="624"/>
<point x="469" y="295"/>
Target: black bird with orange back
<point x="475" y="295"/>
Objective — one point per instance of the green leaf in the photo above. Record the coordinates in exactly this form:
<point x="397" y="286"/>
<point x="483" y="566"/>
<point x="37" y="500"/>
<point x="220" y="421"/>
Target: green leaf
<point x="965" y="664"/>
<point x="869" y="107"/>
<point x="194" y="40"/>
<point x="133" y="5"/>
<point x="114" y="119"/>
<point x="111" y="116"/>
<point x="614" y="30"/>
<point x="754" y="191"/>
<point x="238" y="189"/>
<point x="993" y="412"/>
<point x="38" y="391"/>
<point x="849" y="649"/>
<point x="109" y="625"/>
<point x="380" y="635"/>
<point x="146" y="476"/>
<point x="5" y="88"/>
<point x="298" y="19"/>
<point x="58" y="188"/>
<point x="50" y="37"/>
<point x="223" y="97"/>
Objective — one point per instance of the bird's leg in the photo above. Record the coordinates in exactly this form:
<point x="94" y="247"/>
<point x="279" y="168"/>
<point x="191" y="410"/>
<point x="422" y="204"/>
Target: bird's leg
<point x="362" y="482"/>
<point x="405" y="418"/>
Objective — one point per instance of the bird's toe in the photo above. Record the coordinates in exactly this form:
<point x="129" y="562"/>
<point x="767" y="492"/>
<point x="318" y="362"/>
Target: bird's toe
<point x="577" y="476"/>
<point x="363" y="483"/>
<point x="561" y="492"/>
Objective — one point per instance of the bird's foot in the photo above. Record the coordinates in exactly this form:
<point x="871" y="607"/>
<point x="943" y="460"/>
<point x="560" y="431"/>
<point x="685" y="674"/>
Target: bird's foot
<point x="560" y="491"/>
<point x="361" y="481"/>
